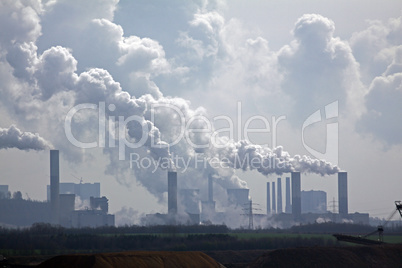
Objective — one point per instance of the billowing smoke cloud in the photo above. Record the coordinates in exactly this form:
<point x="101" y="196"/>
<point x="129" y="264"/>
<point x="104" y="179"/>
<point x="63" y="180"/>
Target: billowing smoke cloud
<point x="12" y="137"/>
<point x="246" y="156"/>
<point x="49" y="85"/>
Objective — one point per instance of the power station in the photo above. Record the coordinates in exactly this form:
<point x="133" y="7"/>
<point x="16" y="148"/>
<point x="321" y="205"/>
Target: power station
<point x="184" y="205"/>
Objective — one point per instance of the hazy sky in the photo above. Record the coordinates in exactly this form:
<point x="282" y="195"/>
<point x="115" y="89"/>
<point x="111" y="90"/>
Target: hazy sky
<point x="320" y="79"/>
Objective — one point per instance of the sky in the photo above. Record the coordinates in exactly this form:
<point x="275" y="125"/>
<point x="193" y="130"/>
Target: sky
<point x="310" y="86"/>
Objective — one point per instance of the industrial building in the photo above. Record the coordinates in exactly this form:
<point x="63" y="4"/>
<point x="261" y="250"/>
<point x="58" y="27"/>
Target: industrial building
<point x="60" y="207"/>
<point x="208" y="206"/>
<point x="238" y="197"/>
<point x="82" y="190"/>
<point x="308" y="206"/>
<point x="313" y="201"/>
<point x="4" y="191"/>
<point x="190" y="198"/>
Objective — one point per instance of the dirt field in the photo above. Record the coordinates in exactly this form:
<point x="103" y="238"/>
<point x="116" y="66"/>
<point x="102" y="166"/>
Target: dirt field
<point x="133" y="259"/>
<point x="354" y="256"/>
<point x="348" y="256"/>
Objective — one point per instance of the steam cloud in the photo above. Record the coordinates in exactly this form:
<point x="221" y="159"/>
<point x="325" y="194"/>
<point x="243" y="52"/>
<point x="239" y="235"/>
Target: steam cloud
<point x="12" y="137"/>
<point x="44" y="87"/>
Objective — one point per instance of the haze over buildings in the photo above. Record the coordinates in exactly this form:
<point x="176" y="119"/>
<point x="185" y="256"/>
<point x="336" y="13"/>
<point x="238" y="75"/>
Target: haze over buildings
<point x="315" y="89"/>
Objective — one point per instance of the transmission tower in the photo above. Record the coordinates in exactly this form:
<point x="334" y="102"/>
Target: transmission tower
<point x="248" y="208"/>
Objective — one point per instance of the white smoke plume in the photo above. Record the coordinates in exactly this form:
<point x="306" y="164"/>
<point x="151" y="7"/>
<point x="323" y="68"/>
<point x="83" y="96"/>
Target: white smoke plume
<point x="246" y="156"/>
<point x="13" y="137"/>
<point x="45" y="86"/>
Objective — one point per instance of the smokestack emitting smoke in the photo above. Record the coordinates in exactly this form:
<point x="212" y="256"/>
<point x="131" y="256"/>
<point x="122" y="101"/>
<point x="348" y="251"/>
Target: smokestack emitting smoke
<point x="273" y="198"/>
<point x="244" y="155"/>
<point x="288" y="208"/>
<point x="54" y="185"/>
<point x="172" y="192"/>
<point x="13" y="137"/>
<point x="51" y="84"/>
<point x="279" y="194"/>
<point x="268" y="200"/>
<point x="296" y="194"/>
<point x="343" y="193"/>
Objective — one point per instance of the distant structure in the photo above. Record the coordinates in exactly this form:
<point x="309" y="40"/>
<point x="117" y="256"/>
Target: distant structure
<point x="172" y="192"/>
<point x="268" y="199"/>
<point x="3" y="191"/>
<point x="59" y="209"/>
<point x="313" y="201"/>
<point x="83" y="190"/>
<point x="296" y="196"/>
<point x="343" y="193"/>
<point x="238" y="197"/>
<point x="279" y="194"/>
<point x="54" y="185"/>
<point x="67" y="202"/>
<point x="100" y="203"/>
<point x="208" y="207"/>
<point x="288" y="205"/>
<point x="273" y="198"/>
<point x="190" y="198"/>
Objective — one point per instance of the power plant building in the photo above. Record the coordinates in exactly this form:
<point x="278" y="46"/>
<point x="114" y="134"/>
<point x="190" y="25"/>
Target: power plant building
<point x="82" y="190"/>
<point x="238" y="197"/>
<point x="313" y="202"/>
<point x="190" y="199"/>
<point x="3" y="191"/>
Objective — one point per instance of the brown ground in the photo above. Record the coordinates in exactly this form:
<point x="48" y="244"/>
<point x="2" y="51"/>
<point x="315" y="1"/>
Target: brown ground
<point x="353" y="256"/>
<point x="133" y="259"/>
<point x="356" y="256"/>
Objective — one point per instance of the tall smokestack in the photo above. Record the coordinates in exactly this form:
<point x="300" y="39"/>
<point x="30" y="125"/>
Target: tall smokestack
<point x="210" y="189"/>
<point x="273" y="198"/>
<point x="268" y="200"/>
<point x="279" y="194"/>
<point x="343" y="193"/>
<point x="296" y="194"/>
<point x="172" y="192"/>
<point x="54" y="185"/>
<point x="288" y="207"/>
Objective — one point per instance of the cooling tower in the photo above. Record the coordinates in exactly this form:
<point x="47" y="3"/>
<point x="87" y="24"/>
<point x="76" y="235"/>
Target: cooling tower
<point x="273" y="198"/>
<point x="279" y="194"/>
<point x="190" y="199"/>
<point x="54" y="185"/>
<point x="296" y="194"/>
<point x="172" y="192"/>
<point x="238" y="197"/>
<point x="268" y="200"/>
<point x="288" y="206"/>
<point x="343" y="193"/>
